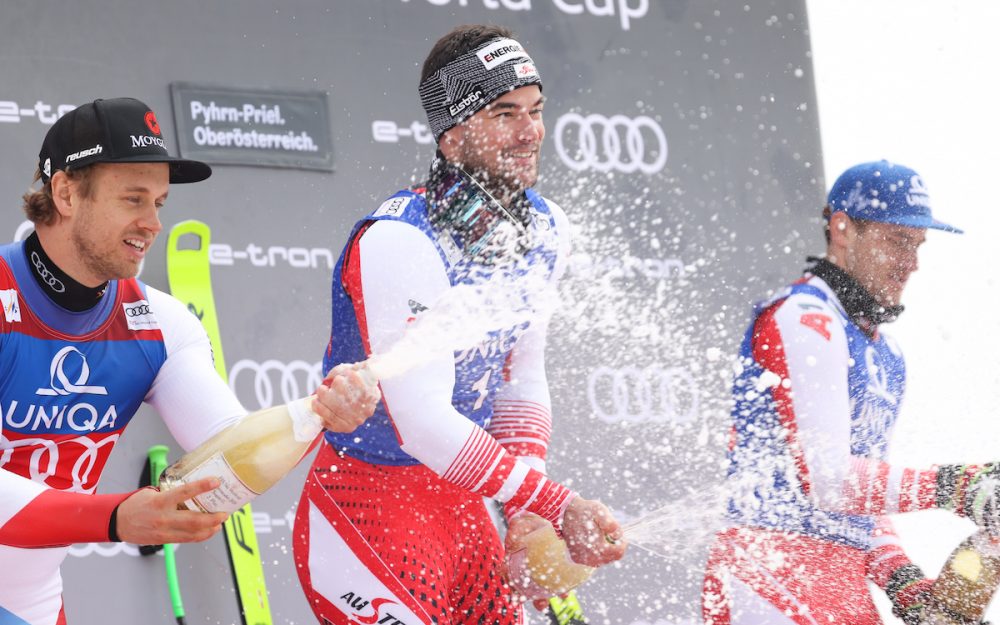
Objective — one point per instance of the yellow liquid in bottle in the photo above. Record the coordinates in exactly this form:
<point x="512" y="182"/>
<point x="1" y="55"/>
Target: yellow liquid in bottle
<point x="549" y="564"/>
<point x="967" y="582"/>
<point x="258" y="451"/>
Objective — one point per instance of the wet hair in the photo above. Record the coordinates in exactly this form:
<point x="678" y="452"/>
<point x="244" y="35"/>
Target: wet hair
<point x="39" y="206"/>
<point x="460" y="40"/>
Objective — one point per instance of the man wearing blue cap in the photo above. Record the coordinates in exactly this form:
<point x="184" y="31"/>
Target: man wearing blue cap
<point x="816" y="397"/>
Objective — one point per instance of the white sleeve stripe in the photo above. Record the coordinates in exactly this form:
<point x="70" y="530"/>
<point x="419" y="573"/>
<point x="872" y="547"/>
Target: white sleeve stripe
<point x="534" y="495"/>
<point x="471" y="449"/>
<point x="892" y="489"/>
<point x="533" y="462"/>
<point x="521" y="404"/>
<point x="915" y="491"/>
<point x="519" y="411"/>
<point x="487" y="475"/>
<point x="513" y="481"/>
<point x="523" y="414"/>
<point x="477" y="461"/>
<point x="515" y="417"/>
<point x="520" y="429"/>
<point x="517" y="439"/>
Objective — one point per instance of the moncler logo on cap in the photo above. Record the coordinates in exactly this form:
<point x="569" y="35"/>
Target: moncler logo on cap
<point x="143" y="141"/>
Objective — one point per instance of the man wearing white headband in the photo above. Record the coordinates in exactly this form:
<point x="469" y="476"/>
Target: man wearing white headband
<point x="392" y="527"/>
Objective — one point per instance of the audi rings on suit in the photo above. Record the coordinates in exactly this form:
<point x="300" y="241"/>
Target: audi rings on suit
<point x="607" y="153"/>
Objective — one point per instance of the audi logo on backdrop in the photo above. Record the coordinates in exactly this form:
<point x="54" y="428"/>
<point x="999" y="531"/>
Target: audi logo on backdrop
<point x="276" y="382"/>
<point x="619" y="143"/>
<point x="651" y="394"/>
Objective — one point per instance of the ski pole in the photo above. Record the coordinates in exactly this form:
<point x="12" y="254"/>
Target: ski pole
<point x="157" y="463"/>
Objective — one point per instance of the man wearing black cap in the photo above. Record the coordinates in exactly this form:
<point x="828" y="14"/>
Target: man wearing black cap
<point x="391" y="526"/>
<point x="816" y="399"/>
<point x="83" y="343"/>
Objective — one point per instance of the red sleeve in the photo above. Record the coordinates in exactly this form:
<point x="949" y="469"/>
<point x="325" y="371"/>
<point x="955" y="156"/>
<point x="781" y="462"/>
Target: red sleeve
<point x="57" y="518"/>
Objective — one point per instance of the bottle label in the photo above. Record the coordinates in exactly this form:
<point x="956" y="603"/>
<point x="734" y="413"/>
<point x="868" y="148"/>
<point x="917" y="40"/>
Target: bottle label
<point x="229" y="497"/>
<point x="305" y="423"/>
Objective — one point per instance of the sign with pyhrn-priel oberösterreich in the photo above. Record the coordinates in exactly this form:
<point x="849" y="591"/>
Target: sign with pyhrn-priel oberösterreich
<point x="259" y="127"/>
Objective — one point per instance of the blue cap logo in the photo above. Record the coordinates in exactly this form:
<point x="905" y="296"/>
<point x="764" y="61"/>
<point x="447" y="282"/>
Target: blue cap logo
<point x="886" y="192"/>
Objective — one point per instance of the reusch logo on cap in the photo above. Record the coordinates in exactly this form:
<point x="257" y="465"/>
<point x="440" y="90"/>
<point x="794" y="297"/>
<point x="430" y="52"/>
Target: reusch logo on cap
<point x="97" y="149"/>
<point x="109" y="131"/>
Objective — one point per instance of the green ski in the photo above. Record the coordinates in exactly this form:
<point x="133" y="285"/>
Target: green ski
<point x="565" y="610"/>
<point x="191" y="282"/>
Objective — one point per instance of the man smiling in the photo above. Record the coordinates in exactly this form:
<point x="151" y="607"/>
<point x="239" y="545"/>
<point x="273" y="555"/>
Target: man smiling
<point x="392" y="524"/>
<point x="83" y="343"/>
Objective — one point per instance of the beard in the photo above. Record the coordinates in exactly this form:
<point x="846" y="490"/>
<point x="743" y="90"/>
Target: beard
<point x="100" y="263"/>
<point x="503" y="180"/>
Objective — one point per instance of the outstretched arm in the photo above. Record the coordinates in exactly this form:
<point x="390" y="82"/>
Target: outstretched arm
<point x="803" y="348"/>
<point x="33" y="515"/>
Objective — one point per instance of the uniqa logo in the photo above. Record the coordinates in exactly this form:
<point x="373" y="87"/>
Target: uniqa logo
<point x="652" y="394"/>
<point x="59" y="382"/>
<point x="617" y="143"/>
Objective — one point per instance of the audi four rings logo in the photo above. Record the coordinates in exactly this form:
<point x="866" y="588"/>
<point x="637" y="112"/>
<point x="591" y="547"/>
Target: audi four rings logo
<point x="653" y="393"/>
<point x="293" y="380"/>
<point x="54" y="283"/>
<point x="620" y="143"/>
<point x="137" y="311"/>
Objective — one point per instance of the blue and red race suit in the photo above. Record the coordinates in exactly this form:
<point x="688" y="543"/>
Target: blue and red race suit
<point x="468" y="424"/>
<point x="815" y="403"/>
<point x="70" y="382"/>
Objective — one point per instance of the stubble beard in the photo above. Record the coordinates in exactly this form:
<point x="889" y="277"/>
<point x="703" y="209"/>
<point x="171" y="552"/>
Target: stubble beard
<point x="502" y="184"/>
<point x="97" y="263"/>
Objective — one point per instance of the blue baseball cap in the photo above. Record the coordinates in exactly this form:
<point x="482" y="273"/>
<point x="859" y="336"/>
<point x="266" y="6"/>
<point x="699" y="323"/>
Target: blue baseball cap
<point x="886" y="192"/>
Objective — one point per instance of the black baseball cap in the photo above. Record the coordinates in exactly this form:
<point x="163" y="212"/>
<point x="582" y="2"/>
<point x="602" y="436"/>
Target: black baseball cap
<point x="116" y="130"/>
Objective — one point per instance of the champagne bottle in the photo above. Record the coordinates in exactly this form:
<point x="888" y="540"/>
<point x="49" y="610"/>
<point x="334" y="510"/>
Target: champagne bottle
<point x="542" y="568"/>
<point x="967" y="582"/>
<point x="248" y="457"/>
